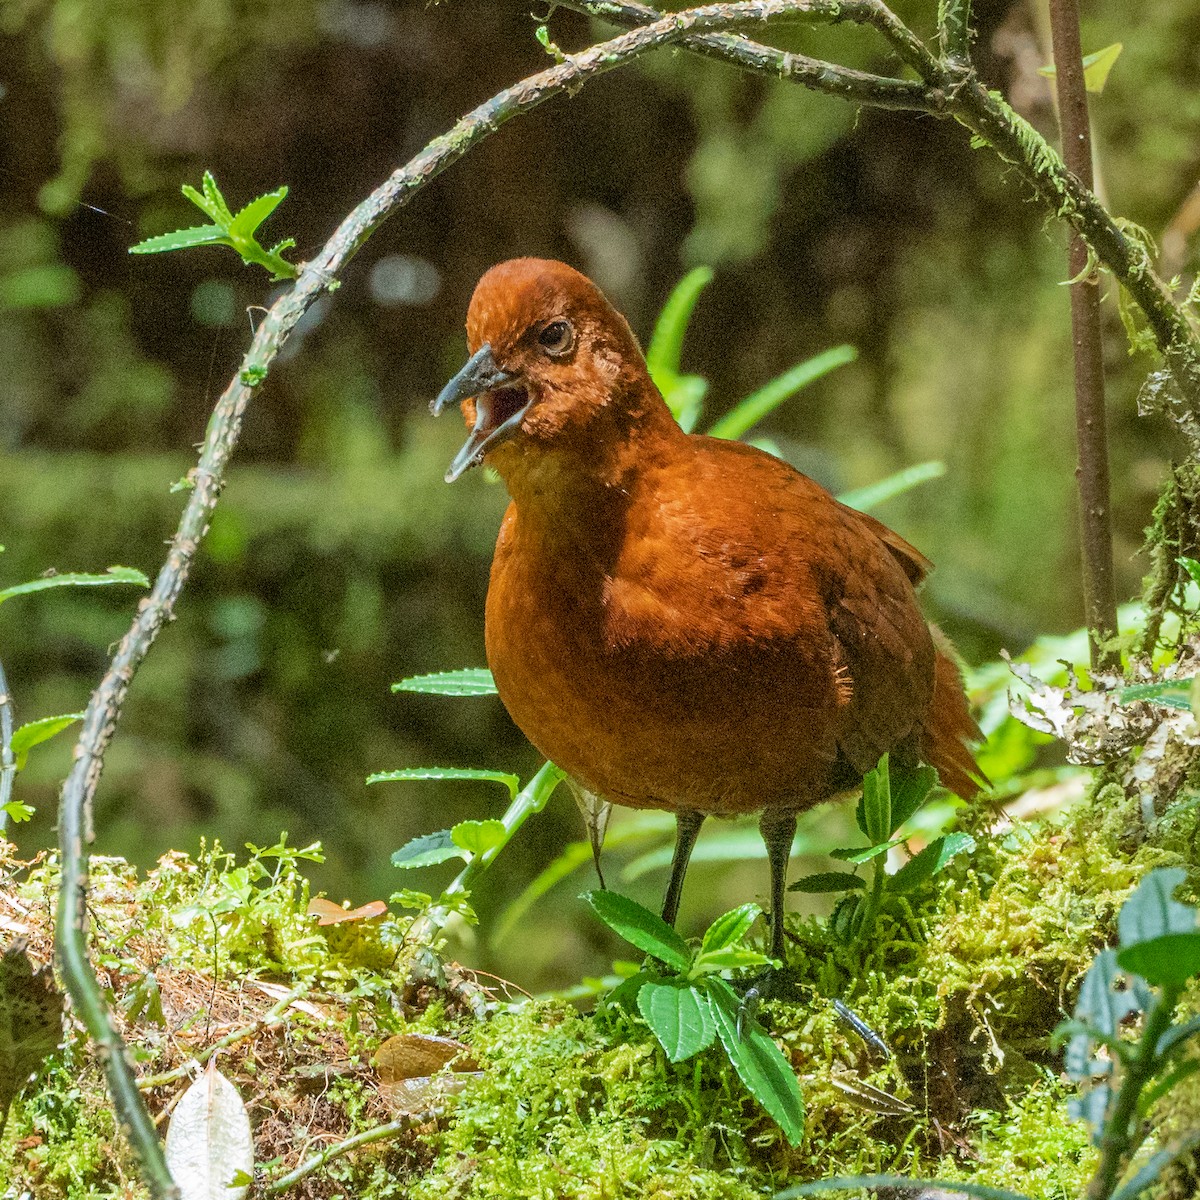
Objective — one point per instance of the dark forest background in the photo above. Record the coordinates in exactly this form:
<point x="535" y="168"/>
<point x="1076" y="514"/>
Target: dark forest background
<point x="339" y="561"/>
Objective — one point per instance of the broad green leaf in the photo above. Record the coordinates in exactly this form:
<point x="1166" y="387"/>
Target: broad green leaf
<point x="875" y="806"/>
<point x="1099" y="1005"/>
<point x="1191" y="566"/>
<point x="680" y="1016"/>
<point x="874" y="494"/>
<point x="929" y="861"/>
<point x="246" y="222"/>
<point x="427" y="850"/>
<point x="1151" y="912"/>
<point x="1096" y="67"/>
<point x="181" y="239"/>
<point x="478" y="837"/>
<point x="728" y="958"/>
<point x="35" y="732"/>
<point x="759" y="1062"/>
<point x="753" y="408"/>
<point x="730" y="928"/>
<point x="470" y="681"/>
<point x="441" y="773"/>
<point x="646" y="930"/>
<point x="847" y="1183"/>
<point x="1171" y="693"/>
<point x="909" y="791"/>
<point x="666" y="342"/>
<point x="1173" y="958"/>
<point x="827" y="881"/>
<point x="75" y="579"/>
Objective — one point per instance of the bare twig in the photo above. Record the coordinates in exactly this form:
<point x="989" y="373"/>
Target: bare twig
<point x="8" y="763"/>
<point x="378" y="1134"/>
<point x="1099" y="595"/>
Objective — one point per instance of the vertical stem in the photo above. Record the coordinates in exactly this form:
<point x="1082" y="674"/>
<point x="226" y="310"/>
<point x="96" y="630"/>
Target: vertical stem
<point x="8" y="764"/>
<point x="1099" y="596"/>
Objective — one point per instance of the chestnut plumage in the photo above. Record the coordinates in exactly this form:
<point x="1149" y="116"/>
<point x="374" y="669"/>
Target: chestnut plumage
<point x="680" y="622"/>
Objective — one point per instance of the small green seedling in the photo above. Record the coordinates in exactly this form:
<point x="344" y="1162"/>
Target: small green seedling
<point x="688" y="1004"/>
<point x="236" y="230"/>
<point x="882" y="810"/>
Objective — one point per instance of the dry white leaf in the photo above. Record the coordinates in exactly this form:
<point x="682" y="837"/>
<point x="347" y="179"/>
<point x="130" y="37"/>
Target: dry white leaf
<point x="209" y="1143"/>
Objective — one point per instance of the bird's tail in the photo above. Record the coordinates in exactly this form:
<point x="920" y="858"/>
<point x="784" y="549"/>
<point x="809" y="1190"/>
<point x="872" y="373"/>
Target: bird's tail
<point x="950" y="728"/>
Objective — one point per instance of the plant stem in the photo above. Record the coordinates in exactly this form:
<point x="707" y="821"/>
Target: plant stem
<point x="8" y="764"/>
<point x="954" y="31"/>
<point x="1099" y="596"/>
<point x="1117" y="1139"/>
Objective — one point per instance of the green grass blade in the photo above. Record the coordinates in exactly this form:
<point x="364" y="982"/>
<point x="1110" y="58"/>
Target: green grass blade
<point x="759" y="404"/>
<point x="666" y="342"/>
<point x="75" y="579"/>
<point x="874" y="494"/>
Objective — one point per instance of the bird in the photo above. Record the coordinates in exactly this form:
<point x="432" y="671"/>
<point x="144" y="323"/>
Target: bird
<point x="681" y="622"/>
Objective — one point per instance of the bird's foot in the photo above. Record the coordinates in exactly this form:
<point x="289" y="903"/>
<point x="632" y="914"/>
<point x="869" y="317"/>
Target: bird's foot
<point x="770" y="983"/>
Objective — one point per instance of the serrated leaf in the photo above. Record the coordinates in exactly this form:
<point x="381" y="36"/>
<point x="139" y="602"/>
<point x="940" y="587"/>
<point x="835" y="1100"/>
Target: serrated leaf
<point x="181" y="239"/>
<point x="638" y="925"/>
<point x="910" y="791"/>
<point x="33" y="733"/>
<point x="680" y="1016"/>
<point x="478" y="837"/>
<point x="929" y="862"/>
<point x="760" y="1064"/>
<point x="75" y="579"/>
<point x="862" y="854"/>
<point x="31" y="1010"/>
<point x="729" y="928"/>
<point x="827" y="881"/>
<point x="874" y="812"/>
<point x="247" y="221"/>
<point x="209" y="1142"/>
<point x="469" y="774"/>
<point x="470" y="681"/>
<point x="427" y="850"/>
<point x="1170" y="693"/>
<point x="216" y="212"/>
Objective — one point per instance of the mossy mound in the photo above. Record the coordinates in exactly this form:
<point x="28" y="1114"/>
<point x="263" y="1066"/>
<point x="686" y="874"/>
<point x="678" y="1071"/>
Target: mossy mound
<point x="965" y="982"/>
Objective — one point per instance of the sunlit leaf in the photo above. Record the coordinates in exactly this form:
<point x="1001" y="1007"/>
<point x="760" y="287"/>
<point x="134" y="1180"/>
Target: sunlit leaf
<point x="666" y="342"/>
<point x="75" y="579"/>
<point x="33" y="733"/>
<point x="874" y="812"/>
<point x="874" y="494"/>
<point x="478" y="837"/>
<point x="929" y="861"/>
<point x="680" y="1016"/>
<point x="209" y="1142"/>
<point x="468" y="774"/>
<point x="1171" y="693"/>
<point x="646" y="930"/>
<point x="427" y="850"/>
<point x="730" y="928"/>
<point x="470" y="681"/>
<point x="1096" y="67"/>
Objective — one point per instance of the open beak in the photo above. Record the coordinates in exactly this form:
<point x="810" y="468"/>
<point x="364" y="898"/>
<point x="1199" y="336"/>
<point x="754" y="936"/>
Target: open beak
<point x="499" y="408"/>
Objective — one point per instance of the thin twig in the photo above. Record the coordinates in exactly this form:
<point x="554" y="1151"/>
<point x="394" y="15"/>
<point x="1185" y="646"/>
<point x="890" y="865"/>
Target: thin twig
<point x="275" y="1015"/>
<point x="1099" y="593"/>
<point x="207" y="479"/>
<point x="378" y="1134"/>
<point x="8" y="763"/>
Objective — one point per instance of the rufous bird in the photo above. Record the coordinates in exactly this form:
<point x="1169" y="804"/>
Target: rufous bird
<point x="681" y="622"/>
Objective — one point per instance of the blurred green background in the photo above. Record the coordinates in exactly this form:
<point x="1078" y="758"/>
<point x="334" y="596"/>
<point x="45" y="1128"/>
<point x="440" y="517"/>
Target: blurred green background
<point x="339" y="561"/>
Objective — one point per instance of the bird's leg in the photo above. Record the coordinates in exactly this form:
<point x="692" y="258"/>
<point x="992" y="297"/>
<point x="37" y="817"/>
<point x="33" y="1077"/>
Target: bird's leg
<point x="777" y="829"/>
<point x="687" y="829"/>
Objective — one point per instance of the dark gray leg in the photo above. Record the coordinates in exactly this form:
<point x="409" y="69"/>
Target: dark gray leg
<point x="687" y="829"/>
<point x="778" y="829"/>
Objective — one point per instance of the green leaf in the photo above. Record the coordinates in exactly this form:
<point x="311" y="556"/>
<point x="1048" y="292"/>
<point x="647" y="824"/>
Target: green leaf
<point x="759" y="1063"/>
<point x="440" y="773"/>
<point x="728" y="958"/>
<point x="874" y="494"/>
<point x="846" y="1183"/>
<point x="470" y="681"/>
<point x="19" y="811"/>
<point x="427" y="850"/>
<point x="741" y="419"/>
<point x="666" y="342"/>
<point x="1191" y="566"/>
<point x="1153" y="1168"/>
<point x="730" y="929"/>
<point x="862" y="854"/>
<point x="680" y="1016"/>
<point x="478" y="837"/>
<point x="910" y="791"/>
<point x="646" y="930"/>
<point x="1173" y="958"/>
<point x="33" y="733"/>
<point x="181" y="239"/>
<point x="1171" y="693"/>
<point x="246" y="222"/>
<point x="74" y="579"/>
<point x="929" y="862"/>
<point x="1158" y="935"/>
<point x="827" y="881"/>
<point x="874" y="812"/>
<point x="1096" y="67"/>
<point x="1101" y="1006"/>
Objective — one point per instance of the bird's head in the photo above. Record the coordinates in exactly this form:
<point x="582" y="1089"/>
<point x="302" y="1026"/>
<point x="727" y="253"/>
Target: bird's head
<point x="548" y="353"/>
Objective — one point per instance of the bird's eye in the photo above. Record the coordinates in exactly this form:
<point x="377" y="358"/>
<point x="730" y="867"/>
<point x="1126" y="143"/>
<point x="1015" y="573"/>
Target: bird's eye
<point x="557" y="338"/>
